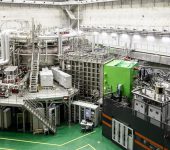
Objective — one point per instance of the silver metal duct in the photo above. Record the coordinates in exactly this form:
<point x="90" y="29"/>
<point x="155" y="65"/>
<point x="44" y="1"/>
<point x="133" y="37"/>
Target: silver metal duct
<point x="5" y="52"/>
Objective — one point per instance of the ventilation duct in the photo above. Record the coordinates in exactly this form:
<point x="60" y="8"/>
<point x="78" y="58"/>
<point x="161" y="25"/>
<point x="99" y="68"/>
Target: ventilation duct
<point x="5" y="48"/>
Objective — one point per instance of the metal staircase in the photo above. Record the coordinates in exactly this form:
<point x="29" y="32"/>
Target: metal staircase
<point x="34" y="71"/>
<point x="70" y="12"/>
<point x="31" y="105"/>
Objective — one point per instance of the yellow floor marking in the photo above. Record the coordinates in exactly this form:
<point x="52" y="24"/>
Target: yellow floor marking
<point x="82" y="147"/>
<point x="49" y="144"/>
<point x="86" y="146"/>
<point x="5" y="149"/>
<point x="17" y="140"/>
<point x="91" y="147"/>
<point x="77" y="138"/>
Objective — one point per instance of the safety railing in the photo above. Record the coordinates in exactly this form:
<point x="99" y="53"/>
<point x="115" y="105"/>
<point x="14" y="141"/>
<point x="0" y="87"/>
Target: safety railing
<point x="32" y="106"/>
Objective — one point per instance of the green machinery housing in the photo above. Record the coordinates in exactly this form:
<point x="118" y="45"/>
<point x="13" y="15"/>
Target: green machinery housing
<point x="119" y="72"/>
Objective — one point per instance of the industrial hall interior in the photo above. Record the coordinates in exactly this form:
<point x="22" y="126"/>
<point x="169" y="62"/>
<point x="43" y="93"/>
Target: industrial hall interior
<point x="85" y="74"/>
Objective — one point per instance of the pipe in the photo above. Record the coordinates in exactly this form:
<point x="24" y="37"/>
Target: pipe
<point x="5" y="49"/>
<point x="48" y="37"/>
<point x="52" y="54"/>
<point x="46" y="52"/>
<point x="2" y="46"/>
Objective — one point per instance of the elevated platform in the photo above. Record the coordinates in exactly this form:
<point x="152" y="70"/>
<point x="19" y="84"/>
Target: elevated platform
<point x="55" y="93"/>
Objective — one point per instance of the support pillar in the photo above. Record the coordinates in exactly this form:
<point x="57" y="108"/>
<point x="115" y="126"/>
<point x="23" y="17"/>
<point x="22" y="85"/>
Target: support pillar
<point x="69" y="111"/>
<point x="23" y="117"/>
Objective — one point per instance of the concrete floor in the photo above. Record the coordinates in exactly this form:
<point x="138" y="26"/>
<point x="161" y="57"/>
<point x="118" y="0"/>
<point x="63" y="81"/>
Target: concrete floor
<point x="67" y="138"/>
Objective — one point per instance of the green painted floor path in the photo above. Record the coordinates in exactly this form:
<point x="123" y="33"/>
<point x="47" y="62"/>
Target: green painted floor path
<point x="67" y="138"/>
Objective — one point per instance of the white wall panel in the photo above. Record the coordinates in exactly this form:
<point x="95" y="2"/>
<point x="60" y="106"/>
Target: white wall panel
<point x="156" y="46"/>
<point x="157" y="17"/>
<point x="48" y="17"/>
<point x="147" y="17"/>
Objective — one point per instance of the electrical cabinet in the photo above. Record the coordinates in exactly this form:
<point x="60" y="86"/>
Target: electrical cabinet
<point x="7" y="118"/>
<point x="85" y="111"/>
<point x="142" y="133"/>
<point x="36" y="123"/>
<point x="74" y="113"/>
<point x="57" y="115"/>
<point x="122" y="134"/>
<point x="11" y="74"/>
<point x="140" y="107"/>
<point x="146" y="104"/>
<point x="54" y="115"/>
<point x="1" y="118"/>
<point x="155" y="114"/>
<point x="20" y="121"/>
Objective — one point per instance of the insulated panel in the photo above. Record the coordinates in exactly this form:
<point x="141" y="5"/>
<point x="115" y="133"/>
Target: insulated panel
<point x="62" y="78"/>
<point x="46" y="78"/>
<point x="65" y="79"/>
<point x="55" y="72"/>
<point x="119" y="72"/>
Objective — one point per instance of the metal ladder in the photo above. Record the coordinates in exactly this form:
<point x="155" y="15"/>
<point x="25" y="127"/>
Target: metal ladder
<point x="34" y="71"/>
<point x="31" y="105"/>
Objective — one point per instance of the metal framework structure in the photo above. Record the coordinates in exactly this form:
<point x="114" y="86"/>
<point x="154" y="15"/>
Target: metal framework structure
<point x="53" y="2"/>
<point x="86" y="69"/>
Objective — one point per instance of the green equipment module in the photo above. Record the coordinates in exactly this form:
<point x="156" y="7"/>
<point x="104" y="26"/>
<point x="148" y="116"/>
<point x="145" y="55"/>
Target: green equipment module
<point x="119" y="72"/>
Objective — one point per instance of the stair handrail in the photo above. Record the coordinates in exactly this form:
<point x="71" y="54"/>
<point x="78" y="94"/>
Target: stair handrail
<point x="41" y="115"/>
<point x="31" y="70"/>
<point x="32" y="103"/>
<point x="38" y="61"/>
<point x="35" y="59"/>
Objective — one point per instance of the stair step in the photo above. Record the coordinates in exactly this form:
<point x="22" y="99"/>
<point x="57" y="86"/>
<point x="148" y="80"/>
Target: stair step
<point x="35" y="112"/>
